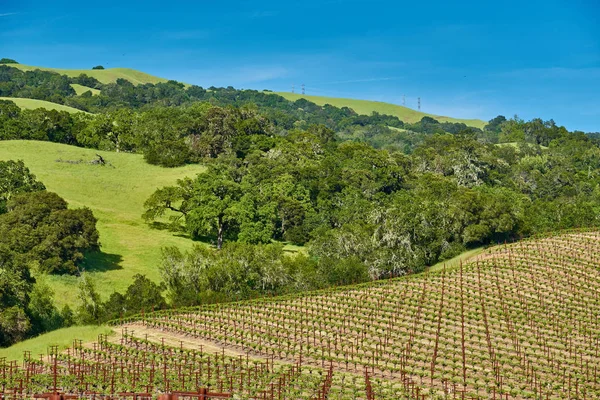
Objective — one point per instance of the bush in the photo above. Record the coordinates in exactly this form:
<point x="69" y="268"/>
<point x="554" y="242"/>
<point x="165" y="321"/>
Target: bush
<point x="98" y="67"/>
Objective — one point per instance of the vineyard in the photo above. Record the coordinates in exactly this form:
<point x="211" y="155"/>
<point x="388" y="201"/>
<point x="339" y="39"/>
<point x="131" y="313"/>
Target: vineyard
<point x="519" y="322"/>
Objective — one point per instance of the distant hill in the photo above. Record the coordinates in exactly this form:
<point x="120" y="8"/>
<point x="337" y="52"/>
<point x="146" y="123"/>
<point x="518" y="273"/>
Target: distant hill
<point x="108" y="75"/>
<point x="80" y="89"/>
<point x="32" y="104"/>
<point x="367" y="107"/>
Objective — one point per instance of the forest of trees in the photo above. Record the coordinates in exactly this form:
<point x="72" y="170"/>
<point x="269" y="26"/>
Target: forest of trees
<point x="381" y="131"/>
<point x="37" y="232"/>
<point x="365" y="213"/>
<point x="368" y="197"/>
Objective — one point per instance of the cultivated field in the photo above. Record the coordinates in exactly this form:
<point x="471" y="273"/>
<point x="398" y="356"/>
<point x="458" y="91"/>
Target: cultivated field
<point x="519" y="322"/>
<point x="367" y="107"/>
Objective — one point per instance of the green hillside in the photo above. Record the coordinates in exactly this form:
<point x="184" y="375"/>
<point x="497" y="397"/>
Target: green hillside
<point x="80" y="89"/>
<point x="32" y="104"/>
<point x="63" y="338"/>
<point x="116" y="196"/>
<point x="367" y="107"/>
<point x="108" y="75"/>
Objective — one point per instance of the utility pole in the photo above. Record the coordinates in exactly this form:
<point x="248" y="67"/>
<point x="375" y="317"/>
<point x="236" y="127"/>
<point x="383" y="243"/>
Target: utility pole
<point x="419" y="103"/>
<point x="303" y="91"/>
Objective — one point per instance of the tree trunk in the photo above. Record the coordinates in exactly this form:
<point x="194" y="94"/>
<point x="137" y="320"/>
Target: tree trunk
<point x="220" y="233"/>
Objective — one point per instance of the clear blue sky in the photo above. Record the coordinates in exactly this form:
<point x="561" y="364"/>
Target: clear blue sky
<point x="473" y="60"/>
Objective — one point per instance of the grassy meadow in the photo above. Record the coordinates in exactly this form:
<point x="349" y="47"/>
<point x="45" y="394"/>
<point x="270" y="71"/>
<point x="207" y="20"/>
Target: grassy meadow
<point x="116" y="195"/>
<point x="63" y="338"/>
<point x="108" y="75"/>
<point x="80" y="89"/>
<point x="454" y="262"/>
<point x="367" y="107"/>
<point x="32" y="104"/>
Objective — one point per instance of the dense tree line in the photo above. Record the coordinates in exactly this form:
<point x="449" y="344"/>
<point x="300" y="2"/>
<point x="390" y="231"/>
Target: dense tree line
<point x="37" y="232"/>
<point x="365" y="213"/>
<point x="382" y="131"/>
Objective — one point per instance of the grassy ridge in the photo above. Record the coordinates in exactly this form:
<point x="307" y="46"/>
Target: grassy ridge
<point x="80" y="89"/>
<point x="32" y="104"/>
<point x="367" y="107"/>
<point x="116" y="196"/>
<point x="61" y="337"/>
<point x="108" y="75"/>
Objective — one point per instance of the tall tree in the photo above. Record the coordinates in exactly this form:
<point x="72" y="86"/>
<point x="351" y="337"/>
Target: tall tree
<point x="210" y="204"/>
<point x="15" y="178"/>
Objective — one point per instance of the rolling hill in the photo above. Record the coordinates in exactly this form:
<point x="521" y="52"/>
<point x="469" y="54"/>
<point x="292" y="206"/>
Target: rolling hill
<point x="32" y="104"/>
<point x="367" y="107"/>
<point x="108" y="75"/>
<point x="116" y="195"/>
<point x="519" y="319"/>
<point x="518" y="322"/>
<point x="80" y="89"/>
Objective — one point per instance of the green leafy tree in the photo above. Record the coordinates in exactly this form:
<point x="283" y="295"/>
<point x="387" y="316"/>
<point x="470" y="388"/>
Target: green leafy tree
<point x="15" y="178"/>
<point x="40" y="228"/>
<point x="16" y="284"/>
<point x="210" y="204"/>
<point x="44" y="314"/>
<point x="90" y="304"/>
<point x="141" y="295"/>
<point x="110" y="131"/>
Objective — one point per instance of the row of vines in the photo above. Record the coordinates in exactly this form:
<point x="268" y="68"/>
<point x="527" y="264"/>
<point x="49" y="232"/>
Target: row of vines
<point x="520" y="322"/>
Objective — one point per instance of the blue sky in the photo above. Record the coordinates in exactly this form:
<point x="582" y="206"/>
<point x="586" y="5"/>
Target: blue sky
<point x="476" y="59"/>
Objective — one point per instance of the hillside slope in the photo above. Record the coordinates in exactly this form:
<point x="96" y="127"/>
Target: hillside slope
<point x="367" y="107"/>
<point x="108" y="75"/>
<point x="520" y="320"/>
<point x="80" y="89"/>
<point x="32" y="104"/>
<point x="116" y="196"/>
<point x="60" y="337"/>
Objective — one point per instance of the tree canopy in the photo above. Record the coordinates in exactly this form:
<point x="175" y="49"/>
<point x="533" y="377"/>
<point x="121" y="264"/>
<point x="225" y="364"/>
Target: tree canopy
<point x="39" y="227"/>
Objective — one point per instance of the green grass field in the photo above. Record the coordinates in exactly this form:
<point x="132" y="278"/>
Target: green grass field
<point x="108" y="75"/>
<point x="80" y="89"/>
<point x="61" y="337"/>
<point x="367" y="107"/>
<point x="455" y="261"/>
<point x="116" y="196"/>
<point x="32" y="104"/>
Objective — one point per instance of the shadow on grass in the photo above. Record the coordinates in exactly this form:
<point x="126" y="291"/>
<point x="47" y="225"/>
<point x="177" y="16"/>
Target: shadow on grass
<point x="101" y="262"/>
<point x="160" y="226"/>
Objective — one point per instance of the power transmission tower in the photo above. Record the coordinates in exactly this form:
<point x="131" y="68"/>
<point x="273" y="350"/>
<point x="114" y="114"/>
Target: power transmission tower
<point x="419" y="103"/>
<point x="292" y="88"/>
<point x="303" y="91"/>
<point x="404" y="100"/>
